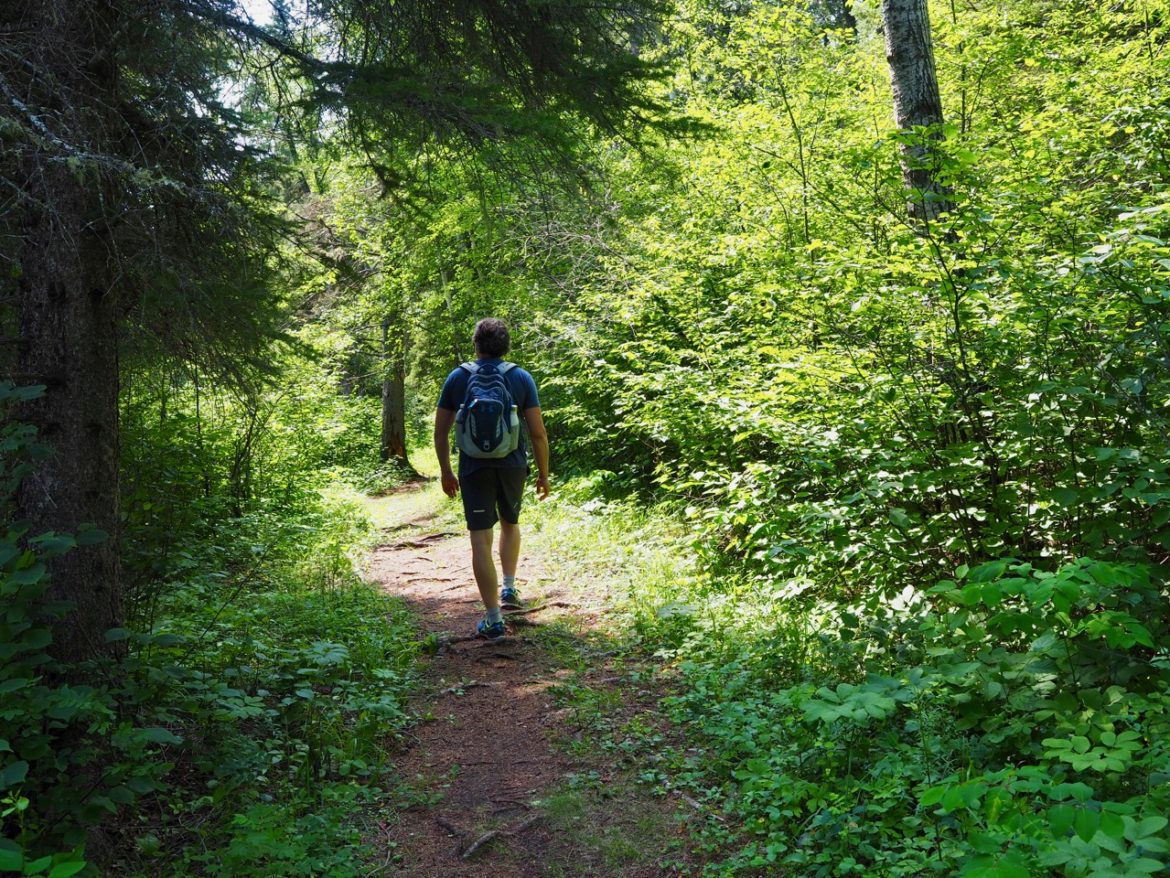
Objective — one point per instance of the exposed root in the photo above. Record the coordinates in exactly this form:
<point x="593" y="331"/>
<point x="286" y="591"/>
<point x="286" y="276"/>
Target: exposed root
<point x="498" y="833"/>
<point x="495" y="655"/>
<point x="510" y="613"/>
<point x="448" y="642"/>
<point x="505" y="804"/>
<point x="470" y="684"/>
<point x="418" y="542"/>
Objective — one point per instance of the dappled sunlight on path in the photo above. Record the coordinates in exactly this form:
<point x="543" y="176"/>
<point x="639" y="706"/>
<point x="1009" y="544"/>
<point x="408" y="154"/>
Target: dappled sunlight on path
<point x="483" y="757"/>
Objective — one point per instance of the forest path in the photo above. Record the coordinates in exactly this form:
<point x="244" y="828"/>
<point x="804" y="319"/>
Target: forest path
<point x="486" y="784"/>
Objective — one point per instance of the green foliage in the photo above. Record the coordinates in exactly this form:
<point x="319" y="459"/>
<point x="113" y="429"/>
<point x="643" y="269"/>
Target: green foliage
<point x="308" y="838"/>
<point x="848" y="410"/>
<point x="285" y="675"/>
<point x="838" y="399"/>
<point x="918" y="625"/>
<point x="40" y="713"/>
<point x="1011" y="719"/>
<point x="260" y="677"/>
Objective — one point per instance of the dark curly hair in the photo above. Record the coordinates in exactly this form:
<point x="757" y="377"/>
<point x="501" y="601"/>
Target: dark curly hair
<point x="491" y="338"/>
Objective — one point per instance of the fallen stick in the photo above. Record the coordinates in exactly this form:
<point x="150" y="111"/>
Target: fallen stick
<point x="698" y="806"/>
<point x="498" y="833"/>
<point x="536" y="609"/>
<point x="504" y="803"/>
<point x="468" y="638"/>
<point x="471" y="684"/>
<point x="419" y="542"/>
<point x="449" y="826"/>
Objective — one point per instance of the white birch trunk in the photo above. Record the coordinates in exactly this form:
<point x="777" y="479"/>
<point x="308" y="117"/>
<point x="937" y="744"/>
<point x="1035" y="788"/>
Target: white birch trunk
<point x="916" y="101"/>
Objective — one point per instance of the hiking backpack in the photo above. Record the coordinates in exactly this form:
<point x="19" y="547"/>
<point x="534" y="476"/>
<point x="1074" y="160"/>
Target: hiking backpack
<point x="487" y="424"/>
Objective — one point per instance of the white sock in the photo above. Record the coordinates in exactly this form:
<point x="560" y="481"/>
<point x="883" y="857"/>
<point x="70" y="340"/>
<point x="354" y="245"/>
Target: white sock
<point x="494" y="615"/>
<point x="509" y="582"/>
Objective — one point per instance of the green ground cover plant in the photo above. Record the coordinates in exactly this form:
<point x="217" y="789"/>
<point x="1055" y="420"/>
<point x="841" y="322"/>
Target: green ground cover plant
<point x="259" y="691"/>
<point x="1007" y="721"/>
<point x="885" y="502"/>
<point x="1011" y="722"/>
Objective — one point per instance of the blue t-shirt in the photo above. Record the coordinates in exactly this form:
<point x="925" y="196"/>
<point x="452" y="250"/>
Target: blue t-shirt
<point x="523" y="390"/>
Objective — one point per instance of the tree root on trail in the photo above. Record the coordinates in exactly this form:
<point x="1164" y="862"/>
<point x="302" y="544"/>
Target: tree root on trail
<point x="447" y="642"/>
<point x="419" y="542"/>
<point x="537" y="609"/>
<point x="505" y="804"/>
<point x="470" y="684"/>
<point x="461" y="834"/>
<point x="498" y="833"/>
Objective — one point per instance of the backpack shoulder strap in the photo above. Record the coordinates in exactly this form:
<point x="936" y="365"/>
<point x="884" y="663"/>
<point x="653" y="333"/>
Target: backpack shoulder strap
<point x="505" y="367"/>
<point x="470" y="367"/>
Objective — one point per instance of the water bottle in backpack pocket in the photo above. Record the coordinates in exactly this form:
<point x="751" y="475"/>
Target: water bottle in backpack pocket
<point x="487" y="424"/>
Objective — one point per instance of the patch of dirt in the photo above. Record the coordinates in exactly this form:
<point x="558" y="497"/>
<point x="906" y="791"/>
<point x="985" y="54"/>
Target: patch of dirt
<point x="411" y="484"/>
<point x="483" y="761"/>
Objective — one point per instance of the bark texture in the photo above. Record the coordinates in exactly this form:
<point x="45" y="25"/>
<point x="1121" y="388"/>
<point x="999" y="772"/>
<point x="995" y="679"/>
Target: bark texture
<point x="393" y="400"/>
<point x="68" y="317"/>
<point x="916" y="101"/>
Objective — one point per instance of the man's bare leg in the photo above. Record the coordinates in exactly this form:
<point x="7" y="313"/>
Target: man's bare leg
<point x="509" y="548"/>
<point x="483" y="565"/>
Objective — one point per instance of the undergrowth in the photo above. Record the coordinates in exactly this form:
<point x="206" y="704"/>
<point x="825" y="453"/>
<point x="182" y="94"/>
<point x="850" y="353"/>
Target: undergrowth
<point x="286" y="682"/>
<point x="244" y="719"/>
<point x="1010" y="721"/>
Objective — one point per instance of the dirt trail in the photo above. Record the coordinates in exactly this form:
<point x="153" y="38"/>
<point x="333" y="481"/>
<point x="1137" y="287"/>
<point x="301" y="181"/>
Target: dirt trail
<point x="484" y="761"/>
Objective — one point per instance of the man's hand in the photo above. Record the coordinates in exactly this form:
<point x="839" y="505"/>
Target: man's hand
<point x="444" y="418"/>
<point x="450" y="484"/>
<point x="539" y="437"/>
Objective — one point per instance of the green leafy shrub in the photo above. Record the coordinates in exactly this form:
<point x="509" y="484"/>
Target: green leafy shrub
<point x="50" y="725"/>
<point x="258" y="680"/>
<point x="1014" y="721"/>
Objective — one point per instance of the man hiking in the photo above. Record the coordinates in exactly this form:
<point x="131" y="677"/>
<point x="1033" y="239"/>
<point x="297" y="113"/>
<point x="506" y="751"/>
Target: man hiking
<point x="485" y="402"/>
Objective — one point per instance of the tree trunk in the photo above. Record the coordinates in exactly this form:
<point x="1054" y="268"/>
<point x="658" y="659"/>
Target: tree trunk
<point x="393" y="400"/>
<point x="68" y="316"/>
<point x="68" y="325"/>
<point x="916" y="102"/>
<point x="836" y="14"/>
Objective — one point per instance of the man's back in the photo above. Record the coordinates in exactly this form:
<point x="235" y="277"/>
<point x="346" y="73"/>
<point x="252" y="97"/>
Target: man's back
<point x="521" y="386"/>
<point x="492" y="488"/>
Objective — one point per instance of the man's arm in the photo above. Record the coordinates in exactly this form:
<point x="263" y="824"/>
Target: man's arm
<point x="539" y="437"/>
<point x="444" y="418"/>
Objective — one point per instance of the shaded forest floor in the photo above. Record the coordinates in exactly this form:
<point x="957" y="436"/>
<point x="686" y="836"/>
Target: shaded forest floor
<point x="513" y="768"/>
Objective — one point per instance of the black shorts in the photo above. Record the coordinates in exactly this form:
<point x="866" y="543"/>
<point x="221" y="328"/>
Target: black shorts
<point x="489" y="490"/>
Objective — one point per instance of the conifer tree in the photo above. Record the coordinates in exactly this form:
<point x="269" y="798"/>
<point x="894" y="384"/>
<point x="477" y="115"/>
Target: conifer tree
<point x="137" y="215"/>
